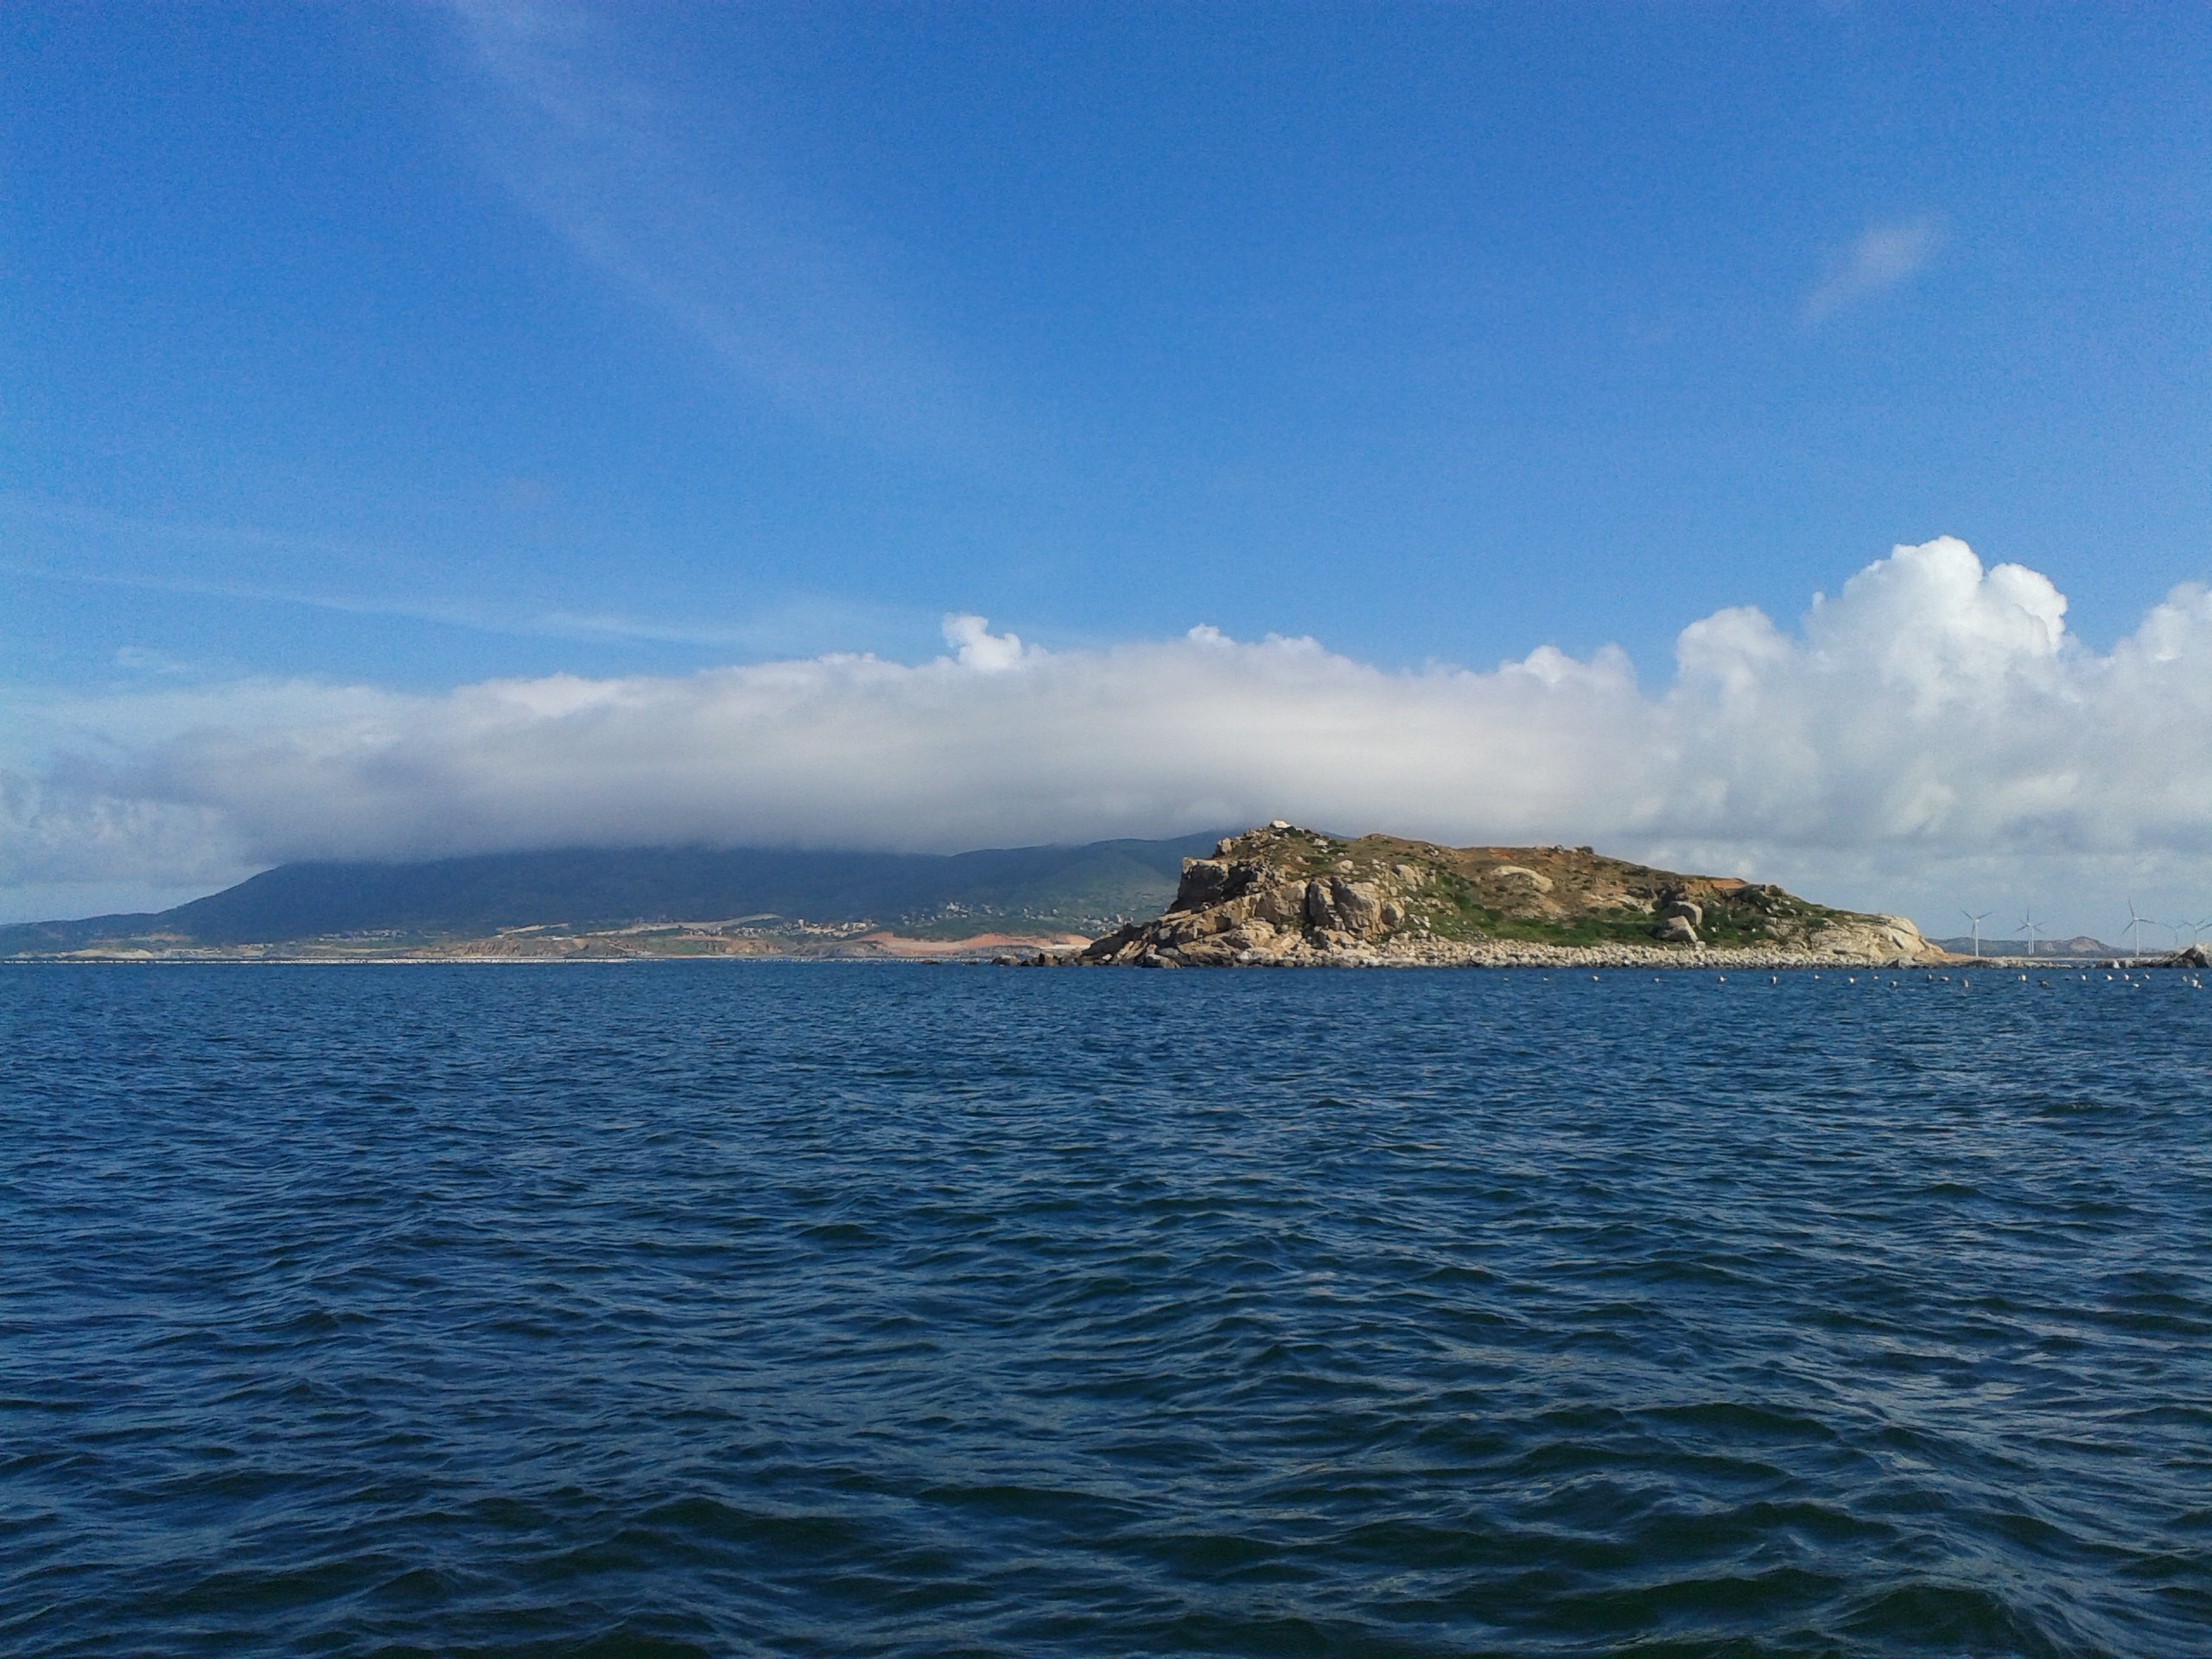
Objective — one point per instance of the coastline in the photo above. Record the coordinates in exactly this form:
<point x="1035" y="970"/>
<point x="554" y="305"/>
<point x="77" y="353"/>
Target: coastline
<point x="1000" y="950"/>
<point x="599" y="947"/>
<point x="1538" y="957"/>
<point x="1067" y="951"/>
<point x="1502" y="953"/>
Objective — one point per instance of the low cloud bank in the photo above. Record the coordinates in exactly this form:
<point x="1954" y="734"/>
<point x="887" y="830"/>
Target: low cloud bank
<point x="1931" y="725"/>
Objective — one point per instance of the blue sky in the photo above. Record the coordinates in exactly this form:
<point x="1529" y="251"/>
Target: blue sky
<point x="404" y="348"/>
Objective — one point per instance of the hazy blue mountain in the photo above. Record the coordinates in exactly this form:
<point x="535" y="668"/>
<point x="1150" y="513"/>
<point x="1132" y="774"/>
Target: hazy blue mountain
<point x="1085" y="888"/>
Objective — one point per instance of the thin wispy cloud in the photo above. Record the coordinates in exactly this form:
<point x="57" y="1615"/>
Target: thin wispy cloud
<point x="1935" y="717"/>
<point x="1882" y="257"/>
<point x="610" y="625"/>
<point x="114" y="550"/>
<point x="721" y="248"/>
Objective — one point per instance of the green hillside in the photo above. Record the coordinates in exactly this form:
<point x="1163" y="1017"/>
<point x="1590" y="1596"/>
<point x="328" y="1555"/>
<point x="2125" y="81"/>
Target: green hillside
<point x="1082" y="889"/>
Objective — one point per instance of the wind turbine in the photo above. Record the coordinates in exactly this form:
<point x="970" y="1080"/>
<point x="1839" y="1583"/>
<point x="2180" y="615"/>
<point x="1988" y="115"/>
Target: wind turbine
<point x="1977" y="921"/>
<point x="2029" y="927"/>
<point x="2135" y="920"/>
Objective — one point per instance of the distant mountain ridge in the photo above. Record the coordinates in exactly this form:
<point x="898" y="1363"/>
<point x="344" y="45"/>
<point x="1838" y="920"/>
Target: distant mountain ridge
<point x="1085" y="889"/>
<point x="2080" y="946"/>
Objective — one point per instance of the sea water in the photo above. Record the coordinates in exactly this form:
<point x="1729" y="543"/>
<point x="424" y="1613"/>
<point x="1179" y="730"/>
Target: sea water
<point x="714" y="1308"/>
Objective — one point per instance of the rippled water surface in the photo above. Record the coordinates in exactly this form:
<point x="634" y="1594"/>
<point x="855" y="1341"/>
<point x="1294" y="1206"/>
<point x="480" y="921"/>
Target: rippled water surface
<point x="726" y="1308"/>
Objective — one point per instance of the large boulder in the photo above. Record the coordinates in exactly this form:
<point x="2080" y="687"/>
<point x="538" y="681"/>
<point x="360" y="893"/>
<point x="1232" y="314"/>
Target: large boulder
<point x="1282" y="904"/>
<point x="1358" y="905"/>
<point x="1891" y="941"/>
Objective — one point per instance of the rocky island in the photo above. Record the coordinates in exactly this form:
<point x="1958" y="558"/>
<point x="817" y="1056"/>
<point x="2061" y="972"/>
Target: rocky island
<point x="1283" y="896"/>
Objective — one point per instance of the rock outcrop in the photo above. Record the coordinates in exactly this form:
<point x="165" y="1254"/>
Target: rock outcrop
<point x="1281" y="895"/>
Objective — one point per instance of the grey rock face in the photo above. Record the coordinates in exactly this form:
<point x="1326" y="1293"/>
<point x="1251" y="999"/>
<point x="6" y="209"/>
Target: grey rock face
<point x="1205" y="881"/>
<point x="1318" y="912"/>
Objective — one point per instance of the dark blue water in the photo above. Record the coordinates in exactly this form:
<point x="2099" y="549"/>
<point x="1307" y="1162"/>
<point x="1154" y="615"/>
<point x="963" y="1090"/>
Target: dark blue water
<point x="722" y="1308"/>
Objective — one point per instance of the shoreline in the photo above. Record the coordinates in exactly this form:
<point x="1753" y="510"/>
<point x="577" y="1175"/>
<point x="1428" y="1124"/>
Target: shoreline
<point x="1500" y="957"/>
<point x="1517" y="953"/>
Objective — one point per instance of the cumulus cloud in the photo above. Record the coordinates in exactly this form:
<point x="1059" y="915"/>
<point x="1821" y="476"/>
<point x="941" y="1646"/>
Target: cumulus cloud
<point x="1933" y="714"/>
<point x="1883" y="256"/>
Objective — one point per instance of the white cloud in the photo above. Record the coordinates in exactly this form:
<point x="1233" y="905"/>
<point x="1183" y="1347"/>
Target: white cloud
<point x="1883" y="256"/>
<point x="977" y="647"/>
<point x="1931" y="731"/>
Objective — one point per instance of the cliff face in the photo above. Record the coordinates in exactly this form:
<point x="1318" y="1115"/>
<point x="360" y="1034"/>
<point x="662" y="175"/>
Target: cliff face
<point x="1285" y="895"/>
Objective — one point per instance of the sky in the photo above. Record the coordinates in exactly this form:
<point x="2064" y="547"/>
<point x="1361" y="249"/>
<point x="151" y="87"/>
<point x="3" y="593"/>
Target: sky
<point x="1777" y="439"/>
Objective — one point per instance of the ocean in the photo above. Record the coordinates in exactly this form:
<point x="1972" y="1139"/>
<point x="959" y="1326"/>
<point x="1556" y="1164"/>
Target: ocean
<point x="841" y="1309"/>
